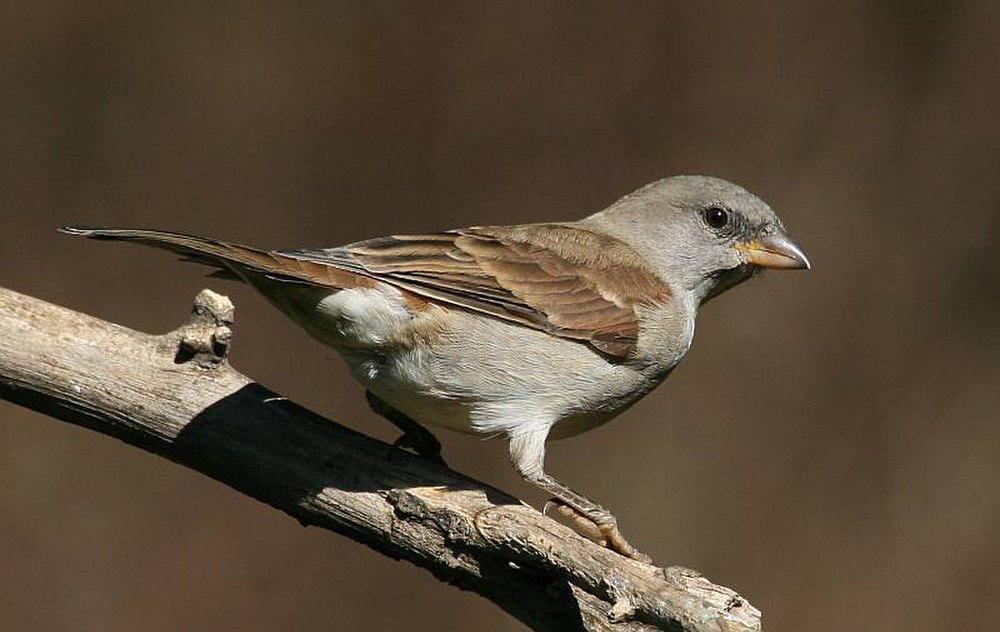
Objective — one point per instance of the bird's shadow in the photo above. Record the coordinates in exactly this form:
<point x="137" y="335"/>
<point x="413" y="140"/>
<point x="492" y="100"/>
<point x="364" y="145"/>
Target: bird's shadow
<point x="257" y="438"/>
<point x="285" y="455"/>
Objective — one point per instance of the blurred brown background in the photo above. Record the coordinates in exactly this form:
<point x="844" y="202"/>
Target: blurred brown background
<point x="831" y="445"/>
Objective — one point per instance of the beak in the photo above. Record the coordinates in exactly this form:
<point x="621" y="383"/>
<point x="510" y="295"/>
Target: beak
<point x="775" y="251"/>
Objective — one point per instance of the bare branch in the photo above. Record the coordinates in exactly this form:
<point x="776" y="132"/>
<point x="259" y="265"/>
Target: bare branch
<point x="177" y="396"/>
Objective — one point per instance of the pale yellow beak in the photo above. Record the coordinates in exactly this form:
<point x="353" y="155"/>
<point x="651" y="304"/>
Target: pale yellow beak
<point x="775" y="251"/>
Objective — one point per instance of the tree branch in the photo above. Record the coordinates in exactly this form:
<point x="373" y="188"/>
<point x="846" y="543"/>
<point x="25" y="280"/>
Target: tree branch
<point x="176" y="395"/>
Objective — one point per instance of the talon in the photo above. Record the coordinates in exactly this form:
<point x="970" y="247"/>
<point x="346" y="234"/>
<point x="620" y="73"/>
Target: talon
<point x="563" y="513"/>
<point x="600" y="528"/>
<point x="413" y="443"/>
<point x="415" y="437"/>
<point x="618" y="543"/>
<point x="395" y="447"/>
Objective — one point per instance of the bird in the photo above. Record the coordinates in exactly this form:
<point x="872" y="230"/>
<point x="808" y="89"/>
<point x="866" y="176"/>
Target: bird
<point x="531" y="331"/>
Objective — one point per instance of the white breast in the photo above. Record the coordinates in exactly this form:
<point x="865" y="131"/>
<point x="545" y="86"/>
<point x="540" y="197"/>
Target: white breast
<point x="460" y="370"/>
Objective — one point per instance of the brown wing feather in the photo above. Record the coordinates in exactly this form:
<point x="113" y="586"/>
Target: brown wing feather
<point x="562" y="279"/>
<point x="559" y="278"/>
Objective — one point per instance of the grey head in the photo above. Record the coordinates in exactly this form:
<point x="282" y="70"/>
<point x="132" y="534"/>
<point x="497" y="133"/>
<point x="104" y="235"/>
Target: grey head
<point x="702" y="235"/>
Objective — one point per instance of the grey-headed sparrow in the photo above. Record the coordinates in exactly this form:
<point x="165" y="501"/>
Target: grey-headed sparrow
<point x="532" y="331"/>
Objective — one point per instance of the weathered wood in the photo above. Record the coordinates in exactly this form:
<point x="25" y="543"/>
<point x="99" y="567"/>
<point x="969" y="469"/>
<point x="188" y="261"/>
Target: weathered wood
<point x="177" y="396"/>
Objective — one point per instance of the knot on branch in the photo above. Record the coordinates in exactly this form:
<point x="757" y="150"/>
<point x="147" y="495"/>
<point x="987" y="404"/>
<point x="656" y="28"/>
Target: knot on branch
<point x="622" y="607"/>
<point x="408" y="505"/>
<point x="733" y="612"/>
<point x="623" y="610"/>
<point x="206" y="337"/>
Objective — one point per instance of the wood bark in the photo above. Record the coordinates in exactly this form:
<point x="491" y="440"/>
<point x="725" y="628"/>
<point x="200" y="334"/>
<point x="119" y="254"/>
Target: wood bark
<point x="177" y="396"/>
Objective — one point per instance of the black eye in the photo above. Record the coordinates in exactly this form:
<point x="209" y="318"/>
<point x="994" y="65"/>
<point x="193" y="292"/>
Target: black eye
<point x="716" y="217"/>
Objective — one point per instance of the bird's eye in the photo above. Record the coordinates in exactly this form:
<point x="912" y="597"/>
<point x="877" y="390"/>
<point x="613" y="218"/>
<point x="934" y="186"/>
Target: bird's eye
<point x="716" y="217"/>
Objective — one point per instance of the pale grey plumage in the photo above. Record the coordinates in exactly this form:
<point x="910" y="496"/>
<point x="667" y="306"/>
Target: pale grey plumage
<point x="532" y="331"/>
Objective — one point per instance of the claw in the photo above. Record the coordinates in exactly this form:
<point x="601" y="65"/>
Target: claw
<point x="617" y="542"/>
<point x="604" y="532"/>
<point x="415" y="437"/>
<point x="563" y="513"/>
<point x="419" y="448"/>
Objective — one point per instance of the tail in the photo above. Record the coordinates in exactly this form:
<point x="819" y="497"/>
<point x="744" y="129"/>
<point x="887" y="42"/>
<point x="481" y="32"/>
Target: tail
<point x="232" y="261"/>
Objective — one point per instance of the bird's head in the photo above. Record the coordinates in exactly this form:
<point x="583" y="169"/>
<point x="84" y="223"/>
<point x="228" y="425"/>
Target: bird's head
<point x="703" y="235"/>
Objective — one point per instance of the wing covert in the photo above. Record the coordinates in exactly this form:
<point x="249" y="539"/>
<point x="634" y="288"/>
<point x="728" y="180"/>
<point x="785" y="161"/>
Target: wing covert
<point x="562" y="279"/>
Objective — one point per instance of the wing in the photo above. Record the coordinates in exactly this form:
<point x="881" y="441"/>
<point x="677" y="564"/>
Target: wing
<point x="559" y="278"/>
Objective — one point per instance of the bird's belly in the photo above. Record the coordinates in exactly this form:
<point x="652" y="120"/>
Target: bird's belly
<point x="488" y="377"/>
<point x="458" y="370"/>
<point x="446" y="399"/>
<point x="407" y="384"/>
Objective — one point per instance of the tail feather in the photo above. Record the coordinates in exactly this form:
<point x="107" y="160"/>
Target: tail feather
<point x="230" y="260"/>
<point x="218" y="254"/>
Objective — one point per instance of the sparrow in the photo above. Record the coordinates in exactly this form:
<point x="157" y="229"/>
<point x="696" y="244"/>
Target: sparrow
<point x="530" y="332"/>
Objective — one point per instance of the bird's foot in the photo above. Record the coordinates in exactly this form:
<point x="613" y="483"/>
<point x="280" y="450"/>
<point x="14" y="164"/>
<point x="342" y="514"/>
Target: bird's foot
<point x="601" y="528"/>
<point x="424" y="444"/>
<point x="617" y="542"/>
<point x="415" y="437"/>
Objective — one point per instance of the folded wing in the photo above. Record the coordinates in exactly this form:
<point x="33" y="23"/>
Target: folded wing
<point x="560" y="278"/>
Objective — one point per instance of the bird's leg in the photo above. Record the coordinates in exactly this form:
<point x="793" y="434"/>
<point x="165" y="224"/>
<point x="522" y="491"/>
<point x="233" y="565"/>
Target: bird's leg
<point x="527" y="453"/>
<point x="604" y="520"/>
<point x="415" y="436"/>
